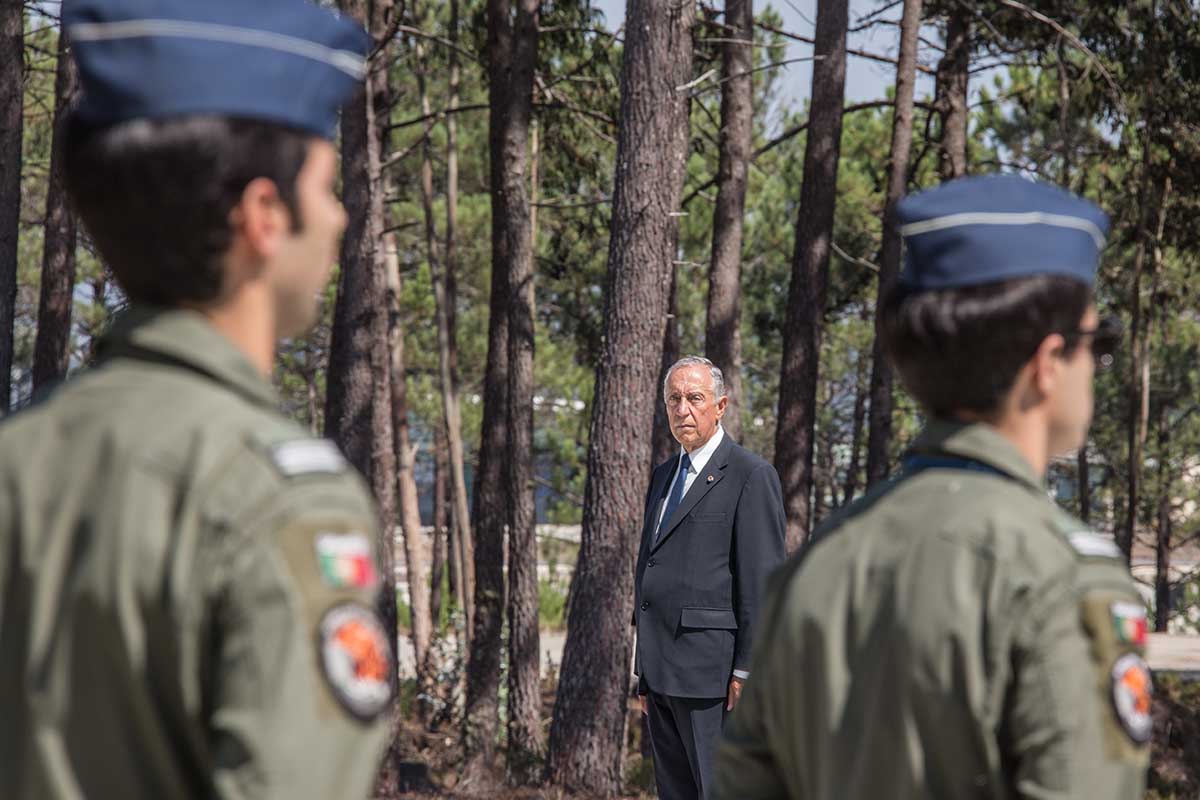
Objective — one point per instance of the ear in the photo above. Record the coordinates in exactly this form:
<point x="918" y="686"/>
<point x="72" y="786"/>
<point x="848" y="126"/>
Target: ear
<point x="722" y="404"/>
<point x="260" y="219"/>
<point x="1047" y="364"/>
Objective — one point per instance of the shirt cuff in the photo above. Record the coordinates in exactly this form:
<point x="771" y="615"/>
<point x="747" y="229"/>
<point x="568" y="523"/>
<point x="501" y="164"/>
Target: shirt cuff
<point x="741" y="673"/>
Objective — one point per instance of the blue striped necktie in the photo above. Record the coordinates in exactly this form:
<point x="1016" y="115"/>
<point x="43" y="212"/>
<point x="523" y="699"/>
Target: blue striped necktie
<point x="676" y="494"/>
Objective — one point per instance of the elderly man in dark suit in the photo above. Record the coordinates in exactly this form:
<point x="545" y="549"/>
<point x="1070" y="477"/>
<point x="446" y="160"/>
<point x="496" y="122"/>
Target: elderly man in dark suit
<point x="713" y="530"/>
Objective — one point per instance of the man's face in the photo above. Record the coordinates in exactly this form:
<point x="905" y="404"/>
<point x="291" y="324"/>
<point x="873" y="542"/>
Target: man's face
<point x="1072" y="401"/>
<point x="302" y="266"/>
<point x="692" y="408"/>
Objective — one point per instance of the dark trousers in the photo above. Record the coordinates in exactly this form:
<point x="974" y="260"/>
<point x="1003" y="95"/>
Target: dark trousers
<point x="683" y="736"/>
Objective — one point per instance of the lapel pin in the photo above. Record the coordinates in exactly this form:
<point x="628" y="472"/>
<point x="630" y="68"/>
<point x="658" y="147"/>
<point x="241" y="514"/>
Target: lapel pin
<point x="710" y="478"/>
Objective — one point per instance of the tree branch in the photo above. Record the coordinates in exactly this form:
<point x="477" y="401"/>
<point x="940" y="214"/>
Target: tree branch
<point x="789" y="134"/>
<point x="850" y="50"/>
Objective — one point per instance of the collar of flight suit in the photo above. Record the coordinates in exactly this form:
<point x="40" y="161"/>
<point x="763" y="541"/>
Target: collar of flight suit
<point x="980" y="442"/>
<point x="188" y="339"/>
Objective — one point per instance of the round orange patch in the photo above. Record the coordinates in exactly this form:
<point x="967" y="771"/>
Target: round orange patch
<point x="356" y="659"/>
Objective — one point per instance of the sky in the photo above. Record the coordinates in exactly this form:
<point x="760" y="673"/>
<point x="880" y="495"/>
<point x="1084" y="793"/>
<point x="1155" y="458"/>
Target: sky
<point x="865" y="80"/>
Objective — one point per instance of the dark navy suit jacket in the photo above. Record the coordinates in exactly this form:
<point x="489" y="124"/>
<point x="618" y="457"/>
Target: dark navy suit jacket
<point x="699" y="586"/>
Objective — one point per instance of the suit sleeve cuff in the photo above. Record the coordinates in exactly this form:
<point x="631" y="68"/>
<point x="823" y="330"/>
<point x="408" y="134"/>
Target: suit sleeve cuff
<point x="741" y="674"/>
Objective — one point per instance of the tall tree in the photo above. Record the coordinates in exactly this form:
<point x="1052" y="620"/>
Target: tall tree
<point x="1139" y="362"/>
<point x="12" y="105"/>
<point x="810" y="272"/>
<point x="664" y="445"/>
<point x="448" y="339"/>
<point x="723" y="329"/>
<point x="587" y="731"/>
<point x="524" y="691"/>
<point x="52" y="347"/>
<point x="482" y="715"/>
<point x="953" y="75"/>
<point x="358" y="408"/>
<point x="406" y="484"/>
<point x="879" y="435"/>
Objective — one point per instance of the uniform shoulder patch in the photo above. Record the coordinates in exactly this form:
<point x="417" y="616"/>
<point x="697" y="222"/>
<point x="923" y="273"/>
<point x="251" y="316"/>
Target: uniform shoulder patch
<point x="356" y="659"/>
<point x="1129" y="622"/>
<point x="308" y="456"/>
<point x="346" y="560"/>
<point x="1131" y="695"/>
<point x="1093" y="545"/>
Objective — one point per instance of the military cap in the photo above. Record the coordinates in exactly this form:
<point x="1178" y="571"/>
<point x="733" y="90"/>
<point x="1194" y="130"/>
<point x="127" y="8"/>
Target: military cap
<point x="281" y="61"/>
<point x="996" y="227"/>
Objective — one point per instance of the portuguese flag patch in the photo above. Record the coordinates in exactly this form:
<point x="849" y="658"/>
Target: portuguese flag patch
<point x="1129" y="622"/>
<point x="345" y="560"/>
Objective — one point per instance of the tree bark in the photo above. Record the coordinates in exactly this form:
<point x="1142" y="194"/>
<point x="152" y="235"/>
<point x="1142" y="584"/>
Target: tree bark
<point x="953" y="74"/>
<point x="723" y="333"/>
<point x="862" y="388"/>
<point x="12" y="105"/>
<point x="810" y="273"/>
<point x="406" y="484"/>
<point x="1162" y="550"/>
<point x="358" y="412"/>
<point x="445" y="568"/>
<point x="1139" y="377"/>
<point x="482" y="717"/>
<point x="879" y="435"/>
<point x="664" y="444"/>
<point x="452" y="396"/>
<point x="52" y="347"/>
<point x="588" y="728"/>
<point x="524" y="690"/>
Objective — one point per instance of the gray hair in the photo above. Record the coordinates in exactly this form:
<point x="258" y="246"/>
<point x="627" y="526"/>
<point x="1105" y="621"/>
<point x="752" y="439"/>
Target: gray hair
<point x="718" y="379"/>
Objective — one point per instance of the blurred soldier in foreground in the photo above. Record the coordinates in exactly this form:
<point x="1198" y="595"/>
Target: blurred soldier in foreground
<point x="955" y="634"/>
<point x="187" y="580"/>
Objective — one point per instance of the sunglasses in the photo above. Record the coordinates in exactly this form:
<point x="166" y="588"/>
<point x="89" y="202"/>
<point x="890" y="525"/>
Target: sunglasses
<point x="1104" y="339"/>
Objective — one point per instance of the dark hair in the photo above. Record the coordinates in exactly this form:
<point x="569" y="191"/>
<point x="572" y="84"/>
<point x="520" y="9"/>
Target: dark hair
<point x="156" y="195"/>
<point x="961" y="349"/>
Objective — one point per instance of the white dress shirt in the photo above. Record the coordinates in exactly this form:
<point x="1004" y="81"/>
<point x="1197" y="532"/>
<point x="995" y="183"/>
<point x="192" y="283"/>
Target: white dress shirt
<point x="699" y="460"/>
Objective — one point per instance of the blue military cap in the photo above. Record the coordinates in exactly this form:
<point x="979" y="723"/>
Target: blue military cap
<point x="995" y="227"/>
<point x="282" y="61"/>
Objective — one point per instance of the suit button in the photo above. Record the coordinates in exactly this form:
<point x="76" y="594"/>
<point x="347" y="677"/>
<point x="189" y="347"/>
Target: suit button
<point x="650" y="563"/>
<point x="645" y="606"/>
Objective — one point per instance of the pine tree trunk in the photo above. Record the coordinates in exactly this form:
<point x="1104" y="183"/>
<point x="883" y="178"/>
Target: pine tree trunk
<point x="448" y="343"/>
<point x="810" y="273"/>
<point x="482" y="717"/>
<point x="52" y="347"/>
<point x="1162" y="550"/>
<point x="953" y="75"/>
<point x="723" y="331"/>
<point x="444" y="568"/>
<point x="879" y="435"/>
<point x="588" y="728"/>
<point x="1139" y="377"/>
<point x="1083" y="480"/>
<point x="12" y="104"/>
<point x="862" y="388"/>
<point x="358" y="409"/>
<point x="664" y="444"/>
<point x="524" y="690"/>
<point x="406" y="485"/>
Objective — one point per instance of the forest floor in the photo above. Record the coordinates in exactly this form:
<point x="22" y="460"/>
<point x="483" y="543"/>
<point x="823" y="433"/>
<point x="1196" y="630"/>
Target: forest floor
<point x="427" y="759"/>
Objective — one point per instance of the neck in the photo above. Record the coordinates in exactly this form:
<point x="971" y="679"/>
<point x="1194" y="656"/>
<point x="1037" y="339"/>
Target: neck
<point x="246" y="317"/>
<point x="695" y="447"/>
<point x="1030" y="436"/>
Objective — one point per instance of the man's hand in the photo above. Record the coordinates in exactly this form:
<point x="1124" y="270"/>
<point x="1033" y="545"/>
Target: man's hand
<point x="735" y="693"/>
<point x="642" y="703"/>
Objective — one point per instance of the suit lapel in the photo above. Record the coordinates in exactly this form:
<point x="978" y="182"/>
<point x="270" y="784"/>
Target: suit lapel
<point x="658" y="491"/>
<point x="713" y="472"/>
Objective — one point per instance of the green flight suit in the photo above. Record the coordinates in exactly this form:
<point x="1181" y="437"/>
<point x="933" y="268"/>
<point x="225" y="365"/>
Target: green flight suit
<point x="187" y="585"/>
<point x="953" y="634"/>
